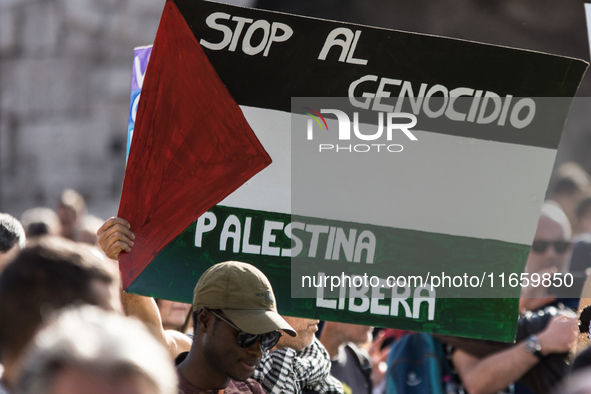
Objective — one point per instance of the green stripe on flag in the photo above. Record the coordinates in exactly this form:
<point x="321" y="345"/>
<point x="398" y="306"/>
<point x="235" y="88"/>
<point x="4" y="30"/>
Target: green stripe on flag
<point x="481" y="312"/>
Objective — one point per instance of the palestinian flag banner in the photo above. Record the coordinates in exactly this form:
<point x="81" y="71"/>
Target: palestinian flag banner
<point x="411" y="168"/>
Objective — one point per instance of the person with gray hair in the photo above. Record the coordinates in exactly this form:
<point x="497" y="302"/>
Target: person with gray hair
<point x="90" y="350"/>
<point x="546" y="329"/>
<point x="12" y="237"/>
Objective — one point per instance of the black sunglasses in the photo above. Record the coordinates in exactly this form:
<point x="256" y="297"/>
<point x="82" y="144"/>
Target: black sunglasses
<point x="540" y="246"/>
<point x="268" y="340"/>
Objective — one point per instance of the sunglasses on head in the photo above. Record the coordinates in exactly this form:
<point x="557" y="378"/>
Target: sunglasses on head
<point x="540" y="246"/>
<point x="268" y="340"/>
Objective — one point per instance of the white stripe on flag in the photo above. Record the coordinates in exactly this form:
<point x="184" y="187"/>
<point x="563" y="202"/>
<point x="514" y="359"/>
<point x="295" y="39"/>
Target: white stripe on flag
<point x="440" y="183"/>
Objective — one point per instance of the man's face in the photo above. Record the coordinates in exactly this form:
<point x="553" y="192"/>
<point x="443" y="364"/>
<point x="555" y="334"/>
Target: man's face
<point x="223" y="353"/>
<point x="306" y="328"/>
<point x="550" y="259"/>
<point x="68" y="220"/>
<point x="174" y="314"/>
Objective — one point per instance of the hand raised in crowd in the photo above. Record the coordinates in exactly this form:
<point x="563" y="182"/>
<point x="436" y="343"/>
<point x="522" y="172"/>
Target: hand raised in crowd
<point x="560" y="334"/>
<point x="114" y="237"/>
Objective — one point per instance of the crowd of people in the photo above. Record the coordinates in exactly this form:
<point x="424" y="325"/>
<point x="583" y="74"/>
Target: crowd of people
<point x="66" y="326"/>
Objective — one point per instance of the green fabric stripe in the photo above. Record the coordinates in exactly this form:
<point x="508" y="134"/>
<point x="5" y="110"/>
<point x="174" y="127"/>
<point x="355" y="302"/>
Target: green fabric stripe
<point x="174" y="273"/>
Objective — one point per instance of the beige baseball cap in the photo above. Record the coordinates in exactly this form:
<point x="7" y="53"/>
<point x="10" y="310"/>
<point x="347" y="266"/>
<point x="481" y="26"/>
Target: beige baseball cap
<point x="244" y="294"/>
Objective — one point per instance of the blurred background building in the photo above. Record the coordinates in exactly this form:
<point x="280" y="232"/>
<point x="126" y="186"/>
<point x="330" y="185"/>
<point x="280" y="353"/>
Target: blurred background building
<point x="65" y="71"/>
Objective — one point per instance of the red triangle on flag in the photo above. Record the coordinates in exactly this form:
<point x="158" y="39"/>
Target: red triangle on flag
<point x="191" y="146"/>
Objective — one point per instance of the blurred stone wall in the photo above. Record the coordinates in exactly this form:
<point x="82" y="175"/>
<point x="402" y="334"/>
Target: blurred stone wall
<point x="65" y="70"/>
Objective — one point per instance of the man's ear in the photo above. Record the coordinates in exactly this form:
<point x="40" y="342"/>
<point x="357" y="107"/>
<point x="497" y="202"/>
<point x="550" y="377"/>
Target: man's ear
<point x="204" y="319"/>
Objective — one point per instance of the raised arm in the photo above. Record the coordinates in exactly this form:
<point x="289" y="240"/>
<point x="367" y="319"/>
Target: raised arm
<point x="115" y="237"/>
<point x="146" y="310"/>
<point x="497" y="371"/>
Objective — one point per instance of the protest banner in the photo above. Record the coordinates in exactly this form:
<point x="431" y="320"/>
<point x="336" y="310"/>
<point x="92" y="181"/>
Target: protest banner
<point x="457" y="195"/>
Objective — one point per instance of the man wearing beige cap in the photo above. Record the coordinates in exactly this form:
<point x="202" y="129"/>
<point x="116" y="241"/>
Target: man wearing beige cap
<point x="234" y="315"/>
<point x="235" y="320"/>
